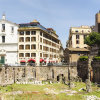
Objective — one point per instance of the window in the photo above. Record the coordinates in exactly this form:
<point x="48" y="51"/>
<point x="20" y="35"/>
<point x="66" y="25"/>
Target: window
<point x="27" y="39"/>
<point x="41" y="33"/>
<point x="82" y="31"/>
<point x="85" y="36"/>
<point x="76" y="31"/>
<point x="77" y="47"/>
<point x="3" y="27"/>
<point x="33" y="32"/>
<point x="50" y="49"/>
<point x="49" y="43"/>
<point x="40" y="54"/>
<point x="33" y="46"/>
<point x="44" y="41"/>
<point x="21" y="54"/>
<point x="50" y="56"/>
<point x="45" y="55"/>
<point x="54" y="56"/>
<point x="77" y="41"/>
<point x="45" y="48"/>
<point x="33" y="38"/>
<point x="77" y="37"/>
<point x="27" y="32"/>
<point x="21" y="46"/>
<point x="27" y="55"/>
<point x="85" y="47"/>
<point x="40" y="39"/>
<point x="27" y="47"/>
<point x="3" y="39"/>
<point x="53" y="44"/>
<point x="33" y="54"/>
<point x="12" y="29"/>
<point x="21" y="39"/>
<point x="22" y="33"/>
<point x="40" y="47"/>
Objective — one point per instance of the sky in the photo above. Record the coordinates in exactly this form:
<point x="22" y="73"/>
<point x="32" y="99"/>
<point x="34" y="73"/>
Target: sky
<point x="57" y="14"/>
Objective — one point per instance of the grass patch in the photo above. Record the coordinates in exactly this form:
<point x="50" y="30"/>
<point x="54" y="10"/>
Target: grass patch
<point x="44" y="97"/>
<point x="41" y="95"/>
<point x="79" y="85"/>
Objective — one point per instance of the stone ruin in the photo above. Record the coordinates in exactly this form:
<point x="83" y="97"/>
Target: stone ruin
<point x="35" y="75"/>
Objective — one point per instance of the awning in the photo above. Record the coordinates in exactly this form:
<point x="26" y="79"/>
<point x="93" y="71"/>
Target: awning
<point x="23" y="61"/>
<point x="52" y="61"/>
<point x="41" y="60"/>
<point x="31" y="60"/>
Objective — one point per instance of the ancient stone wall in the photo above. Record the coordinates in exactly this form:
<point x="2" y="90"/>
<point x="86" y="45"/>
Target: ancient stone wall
<point x="10" y="75"/>
<point x="96" y="71"/>
<point x="82" y="69"/>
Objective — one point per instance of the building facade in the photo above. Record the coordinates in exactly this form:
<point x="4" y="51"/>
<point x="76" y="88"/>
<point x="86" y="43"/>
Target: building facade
<point x="37" y="44"/>
<point x="97" y="22"/>
<point x="8" y="42"/>
<point x="95" y="48"/>
<point x="75" y="44"/>
<point x="77" y="36"/>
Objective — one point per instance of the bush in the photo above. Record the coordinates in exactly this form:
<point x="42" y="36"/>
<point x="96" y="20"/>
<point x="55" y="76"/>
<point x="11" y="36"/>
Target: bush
<point x="83" y="58"/>
<point x="97" y="58"/>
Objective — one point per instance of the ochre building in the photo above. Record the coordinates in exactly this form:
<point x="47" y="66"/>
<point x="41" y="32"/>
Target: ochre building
<point x="75" y="44"/>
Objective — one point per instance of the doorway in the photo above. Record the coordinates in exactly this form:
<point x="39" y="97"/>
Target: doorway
<point x="2" y="60"/>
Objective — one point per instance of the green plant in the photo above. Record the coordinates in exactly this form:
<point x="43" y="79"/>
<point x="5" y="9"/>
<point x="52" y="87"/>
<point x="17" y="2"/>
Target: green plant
<point x="96" y="58"/>
<point x="93" y="39"/>
<point x="83" y="58"/>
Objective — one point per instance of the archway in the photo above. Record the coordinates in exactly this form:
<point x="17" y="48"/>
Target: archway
<point x="60" y="78"/>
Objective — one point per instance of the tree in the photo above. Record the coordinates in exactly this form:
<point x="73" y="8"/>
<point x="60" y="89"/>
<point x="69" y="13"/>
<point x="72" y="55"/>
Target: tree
<point x="91" y="40"/>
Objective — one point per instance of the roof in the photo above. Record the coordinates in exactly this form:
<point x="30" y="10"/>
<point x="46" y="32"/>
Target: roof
<point x="78" y="49"/>
<point x="1" y="20"/>
<point x="81" y="27"/>
<point x="34" y="24"/>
